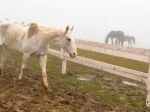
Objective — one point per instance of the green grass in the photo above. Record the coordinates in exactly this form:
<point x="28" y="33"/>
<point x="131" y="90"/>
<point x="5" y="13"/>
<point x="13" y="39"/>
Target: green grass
<point x="113" y="92"/>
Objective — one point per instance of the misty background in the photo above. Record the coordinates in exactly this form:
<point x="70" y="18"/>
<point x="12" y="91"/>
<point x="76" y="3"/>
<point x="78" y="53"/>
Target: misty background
<point x="92" y="19"/>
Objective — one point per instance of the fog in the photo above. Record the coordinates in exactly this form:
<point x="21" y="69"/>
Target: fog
<point x="92" y="19"/>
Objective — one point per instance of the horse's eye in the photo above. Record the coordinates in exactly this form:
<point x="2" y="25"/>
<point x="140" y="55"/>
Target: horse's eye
<point x="68" y="39"/>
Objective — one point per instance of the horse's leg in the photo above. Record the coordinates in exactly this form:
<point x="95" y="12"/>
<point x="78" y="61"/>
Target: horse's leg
<point x="24" y="64"/>
<point x="43" y="61"/>
<point x="128" y="43"/>
<point x="121" y="42"/>
<point x="2" y="62"/>
<point x="3" y="59"/>
<point x="112" y="41"/>
<point x="116" y="41"/>
<point x="131" y="43"/>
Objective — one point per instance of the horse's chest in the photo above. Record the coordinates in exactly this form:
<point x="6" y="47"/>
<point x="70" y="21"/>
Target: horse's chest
<point x="35" y="48"/>
<point x="40" y="51"/>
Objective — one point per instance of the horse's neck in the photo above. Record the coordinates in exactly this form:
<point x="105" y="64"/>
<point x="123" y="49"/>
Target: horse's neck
<point x="53" y="34"/>
<point x="108" y="37"/>
<point x="54" y="37"/>
<point x="53" y="40"/>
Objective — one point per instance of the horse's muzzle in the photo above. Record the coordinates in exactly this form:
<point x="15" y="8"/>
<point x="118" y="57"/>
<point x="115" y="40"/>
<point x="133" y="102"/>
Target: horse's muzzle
<point x="73" y="55"/>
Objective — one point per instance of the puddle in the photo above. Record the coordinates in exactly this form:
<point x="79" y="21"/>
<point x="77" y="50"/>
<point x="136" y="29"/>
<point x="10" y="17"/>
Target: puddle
<point x="85" y="77"/>
<point x="129" y="83"/>
<point x="107" y="79"/>
<point x="88" y="77"/>
<point x="82" y="78"/>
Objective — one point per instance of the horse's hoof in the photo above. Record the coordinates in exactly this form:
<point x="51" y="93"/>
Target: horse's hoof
<point x="48" y="90"/>
<point x="19" y="77"/>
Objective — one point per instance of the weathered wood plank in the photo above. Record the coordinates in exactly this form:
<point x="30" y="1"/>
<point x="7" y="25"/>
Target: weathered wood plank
<point x="64" y="62"/>
<point x="148" y="87"/>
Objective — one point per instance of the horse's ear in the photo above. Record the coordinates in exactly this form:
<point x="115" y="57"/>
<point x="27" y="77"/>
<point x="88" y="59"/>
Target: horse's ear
<point x="72" y="28"/>
<point x="33" y="29"/>
<point x="67" y="28"/>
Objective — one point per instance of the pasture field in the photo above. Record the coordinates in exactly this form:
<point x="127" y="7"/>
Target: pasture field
<point x="100" y="92"/>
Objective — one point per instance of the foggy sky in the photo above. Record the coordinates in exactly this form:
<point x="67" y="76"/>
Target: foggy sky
<point x="92" y="19"/>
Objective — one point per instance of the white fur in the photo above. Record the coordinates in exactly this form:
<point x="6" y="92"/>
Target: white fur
<point x="15" y="37"/>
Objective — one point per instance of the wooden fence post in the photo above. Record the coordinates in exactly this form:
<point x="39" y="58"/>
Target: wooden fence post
<point x="148" y="87"/>
<point x="64" y="62"/>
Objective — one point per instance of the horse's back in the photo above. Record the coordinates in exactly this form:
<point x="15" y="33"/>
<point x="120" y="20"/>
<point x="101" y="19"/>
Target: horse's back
<point x="10" y="33"/>
<point x="3" y="29"/>
<point x="116" y="34"/>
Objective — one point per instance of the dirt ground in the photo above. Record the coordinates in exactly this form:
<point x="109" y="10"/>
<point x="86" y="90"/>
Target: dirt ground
<point x="28" y="95"/>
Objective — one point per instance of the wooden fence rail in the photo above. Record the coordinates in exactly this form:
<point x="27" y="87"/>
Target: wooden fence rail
<point x="125" y="72"/>
<point x="124" y="52"/>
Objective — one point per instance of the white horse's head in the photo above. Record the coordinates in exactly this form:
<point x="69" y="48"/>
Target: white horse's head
<point x="68" y="42"/>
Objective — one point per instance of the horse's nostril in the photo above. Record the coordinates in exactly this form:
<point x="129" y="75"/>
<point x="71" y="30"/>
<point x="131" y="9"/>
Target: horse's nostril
<point x="70" y="54"/>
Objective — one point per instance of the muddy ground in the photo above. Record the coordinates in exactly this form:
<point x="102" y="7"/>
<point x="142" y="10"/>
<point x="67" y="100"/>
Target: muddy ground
<point x="28" y="95"/>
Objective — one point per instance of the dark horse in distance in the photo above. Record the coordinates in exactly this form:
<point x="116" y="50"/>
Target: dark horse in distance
<point x="117" y="35"/>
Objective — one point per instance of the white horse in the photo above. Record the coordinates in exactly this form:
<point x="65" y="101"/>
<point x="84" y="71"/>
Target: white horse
<point x="33" y="39"/>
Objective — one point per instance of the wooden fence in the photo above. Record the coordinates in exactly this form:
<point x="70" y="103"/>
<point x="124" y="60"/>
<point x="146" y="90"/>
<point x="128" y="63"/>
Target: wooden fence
<point x="124" y="52"/>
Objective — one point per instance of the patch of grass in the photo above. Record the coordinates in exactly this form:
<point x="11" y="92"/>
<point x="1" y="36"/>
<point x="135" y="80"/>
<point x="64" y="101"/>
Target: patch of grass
<point x="112" y="92"/>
